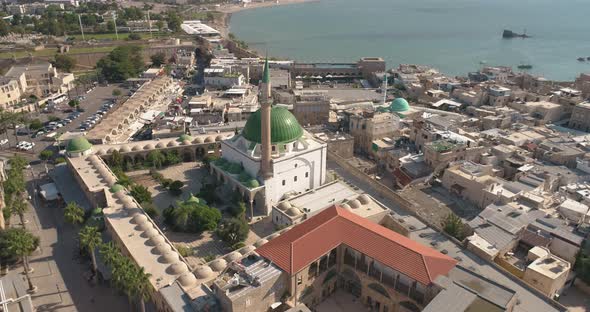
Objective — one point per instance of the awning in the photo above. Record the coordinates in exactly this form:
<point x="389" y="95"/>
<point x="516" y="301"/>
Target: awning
<point x="49" y="191"/>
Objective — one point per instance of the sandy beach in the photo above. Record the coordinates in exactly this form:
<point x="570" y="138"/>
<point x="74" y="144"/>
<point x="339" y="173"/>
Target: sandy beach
<point x="232" y="8"/>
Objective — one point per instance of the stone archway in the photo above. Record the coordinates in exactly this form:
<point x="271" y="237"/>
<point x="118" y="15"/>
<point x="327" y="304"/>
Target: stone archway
<point x="351" y="282"/>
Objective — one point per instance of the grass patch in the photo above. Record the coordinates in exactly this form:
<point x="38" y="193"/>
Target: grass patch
<point x="51" y="52"/>
<point x="122" y="36"/>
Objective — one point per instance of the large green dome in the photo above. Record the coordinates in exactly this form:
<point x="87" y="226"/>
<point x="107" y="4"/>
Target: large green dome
<point x="399" y="105"/>
<point x="78" y="145"/>
<point x="284" y="127"/>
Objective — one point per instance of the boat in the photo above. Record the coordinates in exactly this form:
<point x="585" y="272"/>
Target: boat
<point x="508" y="34"/>
<point x="581" y="59"/>
<point x="588" y="58"/>
<point x="525" y="66"/>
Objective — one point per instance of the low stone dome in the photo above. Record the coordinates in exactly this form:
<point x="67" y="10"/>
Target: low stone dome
<point x="172" y="144"/>
<point x="260" y="242"/>
<point x="146" y="226"/>
<point x="131" y="206"/>
<point x="293" y="212"/>
<point x="233" y="256"/>
<point x="203" y="271"/>
<point x="219" y="138"/>
<point x="364" y="199"/>
<point x="187" y="279"/>
<point x="126" y="200"/>
<point x="284" y="205"/>
<point x="148" y="147"/>
<point x="160" y="145"/>
<point x="139" y="219"/>
<point x="198" y="140"/>
<point x="247" y="249"/>
<point x="218" y="265"/>
<point x="345" y="206"/>
<point x="101" y="152"/>
<point x="124" y="149"/>
<point x="210" y="139"/>
<point x="169" y="257"/>
<point x="354" y="204"/>
<point x="94" y="160"/>
<point x="136" y="148"/>
<point x="112" y="150"/>
<point x="132" y="212"/>
<point x="151" y="232"/>
<point x="164" y="248"/>
<point x="110" y="180"/>
<point x="155" y="240"/>
<point x="178" y="268"/>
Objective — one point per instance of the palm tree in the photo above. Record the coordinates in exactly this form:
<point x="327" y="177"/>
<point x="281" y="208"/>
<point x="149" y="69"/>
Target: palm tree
<point x="109" y="253"/>
<point x="141" y="286"/>
<point x="73" y="213"/>
<point x="20" y="243"/>
<point x="19" y="206"/>
<point x="181" y="214"/>
<point x="90" y="239"/>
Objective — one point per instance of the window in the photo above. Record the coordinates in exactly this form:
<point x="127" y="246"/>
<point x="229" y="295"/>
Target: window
<point x="295" y="165"/>
<point x="307" y="174"/>
<point x="299" y="280"/>
<point x="284" y="182"/>
<point x="295" y="178"/>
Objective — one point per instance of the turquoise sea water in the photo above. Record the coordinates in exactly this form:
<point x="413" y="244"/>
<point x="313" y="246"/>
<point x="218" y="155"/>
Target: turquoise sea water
<point x="451" y="35"/>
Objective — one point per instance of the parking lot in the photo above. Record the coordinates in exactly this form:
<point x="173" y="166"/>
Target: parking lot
<point x="89" y="105"/>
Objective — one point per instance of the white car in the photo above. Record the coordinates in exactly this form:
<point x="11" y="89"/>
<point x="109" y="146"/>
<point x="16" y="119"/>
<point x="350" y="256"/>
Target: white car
<point x="3" y="142"/>
<point x="25" y="146"/>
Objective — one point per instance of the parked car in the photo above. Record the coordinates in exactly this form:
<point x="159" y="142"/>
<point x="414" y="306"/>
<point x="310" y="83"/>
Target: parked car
<point x="3" y="142"/>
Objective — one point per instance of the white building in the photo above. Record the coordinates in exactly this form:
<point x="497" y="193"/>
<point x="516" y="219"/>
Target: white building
<point x="273" y="157"/>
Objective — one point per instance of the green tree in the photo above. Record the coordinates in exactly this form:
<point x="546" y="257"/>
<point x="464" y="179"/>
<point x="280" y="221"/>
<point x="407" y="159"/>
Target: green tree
<point x="233" y="231"/>
<point x="74" y="103"/>
<point x="64" y="62"/>
<point x="172" y="158"/>
<point x="35" y="124"/>
<point x="140" y="286"/>
<point x="160" y="25"/>
<point x="111" y="26"/>
<point x="453" y="226"/>
<point x="582" y="266"/>
<point x="134" y="36"/>
<point x="158" y="59"/>
<point x="117" y="92"/>
<point x="45" y="155"/>
<point x="150" y="209"/>
<point x="90" y="239"/>
<point x="176" y="187"/>
<point x="116" y="160"/>
<point x="73" y="213"/>
<point x="109" y="253"/>
<point x="122" y="63"/>
<point x="141" y="193"/>
<point x="20" y="244"/>
<point x="19" y="206"/>
<point x="238" y="209"/>
<point x="174" y="21"/>
<point x="156" y="158"/>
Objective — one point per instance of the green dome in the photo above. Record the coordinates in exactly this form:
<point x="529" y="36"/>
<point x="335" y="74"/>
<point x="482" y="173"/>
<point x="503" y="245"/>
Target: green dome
<point x="253" y="183"/>
<point x="185" y="137"/>
<point x="117" y="187"/>
<point x="96" y="211"/>
<point x="284" y="127"/>
<point x="399" y="105"/>
<point x="78" y="145"/>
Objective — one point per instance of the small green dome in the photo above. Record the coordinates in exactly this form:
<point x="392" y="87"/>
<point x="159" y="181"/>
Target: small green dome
<point x="78" y="145"/>
<point x="284" y="127"/>
<point x="235" y="168"/>
<point x="399" y="105"/>
<point x="252" y="183"/>
<point x="96" y="211"/>
<point x="185" y="137"/>
<point x="116" y="188"/>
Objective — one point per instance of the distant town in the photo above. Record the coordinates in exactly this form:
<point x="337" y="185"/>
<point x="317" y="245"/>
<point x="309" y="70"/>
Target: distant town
<point x="151" y="161"/>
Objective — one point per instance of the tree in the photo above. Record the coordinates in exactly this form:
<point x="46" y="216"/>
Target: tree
<point x="45" y="155"/>
<point x="64" y="62"/>
<point x="90" y="239"/>
<point x="122" y="63"/>
<point x="73" y="213"/>
<point x="192" y="217"/>
<point x="582" y="265"/>
<point x="19" y="243"/>
<point x="453" y="226"/>
<point x="35" y="124"/>
<point x="233" y="231"/>
<point x="160" y="25"/>
<point x="158" y="59"/>
<point x="4" y="28"/>
<point x="176" y="187"/>
<point x="140" y="286"/>
<point x="134" y="36"/>
<point x="117" y="92"/>
<point x="238" y="210"/>
<point x="74" y="103"/>
<point x="111" y="26"/>
<point x="116" y="160"/>
<point x="174" y="21"/>
<point x="150" y="209"/>
<point x="156" y="158"/>
<point x="141" y="193"/>
<point x="19" y="206"/>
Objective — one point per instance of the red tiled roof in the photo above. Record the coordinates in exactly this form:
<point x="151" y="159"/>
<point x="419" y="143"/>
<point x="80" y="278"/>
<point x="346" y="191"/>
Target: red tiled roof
<point x="307" y="241"/>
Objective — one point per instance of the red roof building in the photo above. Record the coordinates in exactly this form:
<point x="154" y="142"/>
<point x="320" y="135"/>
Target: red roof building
<point x="306" y="242"/>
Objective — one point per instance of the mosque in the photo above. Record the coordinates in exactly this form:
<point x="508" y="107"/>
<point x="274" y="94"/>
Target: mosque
<point x="272" y="158"/>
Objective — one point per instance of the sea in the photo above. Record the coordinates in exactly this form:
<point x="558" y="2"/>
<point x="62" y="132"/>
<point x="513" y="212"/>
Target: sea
<point x="454" y="36"/>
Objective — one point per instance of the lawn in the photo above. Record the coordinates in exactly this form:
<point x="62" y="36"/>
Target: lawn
<point x="122" y="36"/>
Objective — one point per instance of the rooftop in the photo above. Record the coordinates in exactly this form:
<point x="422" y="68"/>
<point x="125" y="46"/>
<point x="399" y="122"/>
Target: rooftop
<point x="307" y="241"/>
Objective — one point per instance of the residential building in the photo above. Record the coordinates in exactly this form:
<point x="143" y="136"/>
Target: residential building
<point x="10" y="93"/>
<point x="367" y="127"/>
<point x="546" y="272"/>
<point x="580" y="119"/>
<point x="221" y="79"/>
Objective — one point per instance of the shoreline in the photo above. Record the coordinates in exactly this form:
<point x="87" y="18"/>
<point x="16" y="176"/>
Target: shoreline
<point x="228" y="10"/>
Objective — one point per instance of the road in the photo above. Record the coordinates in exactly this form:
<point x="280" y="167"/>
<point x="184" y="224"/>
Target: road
<point x="529" y="302"/>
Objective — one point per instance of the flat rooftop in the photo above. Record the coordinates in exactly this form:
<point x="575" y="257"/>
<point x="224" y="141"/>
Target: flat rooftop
<point x="551" y="267"/>
<point x="324" y="197"/>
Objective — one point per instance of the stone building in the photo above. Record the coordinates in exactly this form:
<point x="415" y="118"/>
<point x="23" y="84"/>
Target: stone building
<point x="368" y="127"/>
<point x="580" y="119"/>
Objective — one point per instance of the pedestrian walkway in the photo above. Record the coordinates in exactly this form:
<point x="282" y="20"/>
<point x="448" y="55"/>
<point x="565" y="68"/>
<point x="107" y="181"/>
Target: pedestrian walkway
<point x="59" y="273"/>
